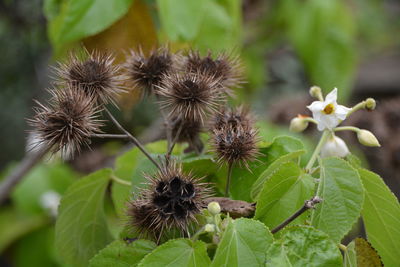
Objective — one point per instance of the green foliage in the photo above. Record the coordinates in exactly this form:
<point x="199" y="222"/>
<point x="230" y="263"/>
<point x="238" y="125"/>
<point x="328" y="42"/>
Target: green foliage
<point x="120" y="253"/>
<point x="81" y="228"/>
<point x="283" y="194"/>
<point x="81" y="18"/>
<point x="323" y="35"/>
<point x="243" y="179"/>
<point x="45" y="177"/>
<point x="360" y="253"/>
<point x="244" y="243"/>
<point x="265" y="175"/>
<point x="178" y="252"/>
<point x="343" y="195"/>
<point x="14" y="225"/>
<point x="381" y="216"/>
<point x="303" y="246"/>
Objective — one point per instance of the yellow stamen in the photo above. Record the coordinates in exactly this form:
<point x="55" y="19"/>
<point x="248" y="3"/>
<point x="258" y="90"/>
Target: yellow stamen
<point x="329" y="109"/>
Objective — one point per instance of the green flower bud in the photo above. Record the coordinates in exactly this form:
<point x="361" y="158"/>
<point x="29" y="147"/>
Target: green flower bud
<point x="370" y="104"/>
<point x="214" y="208"/>
<point x="298" y="125"/>
<point x="209" y="228"/>
<point x="316" y="92"/>
<point x="367" y="138"/>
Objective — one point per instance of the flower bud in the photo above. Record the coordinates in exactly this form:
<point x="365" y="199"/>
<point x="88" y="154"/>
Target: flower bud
<point x="298" y="124"/>
<point x="367" y="138"/>
<point x="370" y="104"/>
<point x="209" y="228"/>
<point x="316" y="92"/>
<point x="214" y="208"/>
<point x="334" y="147"/>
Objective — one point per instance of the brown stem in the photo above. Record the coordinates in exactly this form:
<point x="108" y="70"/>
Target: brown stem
<point x="308" y="204"/>
<point x="116" y="136"/>
<point x="29" y="161"/>
<point x="171" y="148"/>
<point x="132" y="138"/>
<point x="228" y="180"/>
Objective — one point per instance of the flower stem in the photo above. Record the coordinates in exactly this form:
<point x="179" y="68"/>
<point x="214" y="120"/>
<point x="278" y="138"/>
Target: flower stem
<point x="132" y="138"/>
<point x="173" y="143"/>
<point x="346" y="128"/>
<point x="314" y="156"/>
<point x="120" y="181"/>
<point x="197" y="234"/>
<point x="228" y="180"/>
<point x="359" y="106"/>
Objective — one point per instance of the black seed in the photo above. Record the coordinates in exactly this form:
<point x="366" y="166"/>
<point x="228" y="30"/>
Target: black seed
<point x="188" y="191"/>
<point x="160" y="187"/>
<point x="175" y="185"/>
<point x="161" y="200"/>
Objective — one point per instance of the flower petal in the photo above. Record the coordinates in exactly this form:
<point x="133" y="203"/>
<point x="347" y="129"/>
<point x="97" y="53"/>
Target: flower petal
<point x="331" y="97"/>
<point x="341" y="112"/>
<point x="316" y="106"/>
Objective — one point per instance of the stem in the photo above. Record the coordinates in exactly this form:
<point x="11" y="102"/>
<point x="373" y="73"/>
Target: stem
<point x="322" y="141"/>
<point x="132" y="138"/>
<point x="120" y="181"/>
<point x="117" y="136"/>
<point x="29" y="161"/>
<point x="346" y="128"/>
<point x="228" y="180"/>
<point x="342" y="247"/>
<point x="166" y="123"/>
<point x="359" y="106"/>
<point x="308" y="204"/>
<point x="171" y="148"/>
<point x="197" y="234"/>
<point x="309" y="119"/>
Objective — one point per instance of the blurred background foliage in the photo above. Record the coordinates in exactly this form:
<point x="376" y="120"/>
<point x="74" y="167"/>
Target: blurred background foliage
<point x="285" y="46"/>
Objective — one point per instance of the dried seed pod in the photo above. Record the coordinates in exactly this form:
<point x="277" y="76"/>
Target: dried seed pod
<point x="225" y="67"/>
<point x="188" y="131"/>
<point x="235" y="144"/>
<point x="67" y="123"/>
<point x="191" y="96"/>
<point x="147" y="72"/>
<point x="171" y="202"/>
<point x="234" y="137"/>
<point x="95" y="74"/>
<point x="232" y="117"/>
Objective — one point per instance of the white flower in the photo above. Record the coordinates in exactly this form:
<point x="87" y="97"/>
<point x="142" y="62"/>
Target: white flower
<point x="50" y="201"/>
<point x="334" y="147"/>
<point x="328" y="113"/>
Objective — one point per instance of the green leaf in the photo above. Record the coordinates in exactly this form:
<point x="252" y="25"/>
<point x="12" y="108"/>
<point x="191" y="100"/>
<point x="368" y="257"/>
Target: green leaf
<point x="81" y="18"/>
<point x="181" y="19"/>
<point x="221" y="28"/>
<point x="81" y="228"/>
<point x="178" y="252"/>
<point x="381" y="216"/>
<point x="283" y="194"/>
<point x="330" y="58"/>
<point x="342" y="193"/>
<point x="120" y="253"/>
<point x="14" y="225"/>
<point x="350" y="256"/>
<point x="125" y="166"/>
<point x="43" y="178"/>
<point x="304" y="246"/>
<point x="244" y="243"/>
<point x="265" y="175"/>
<point x="36" y="249"/>
<point x="243" y="179"/>
<point x="360" y="253"/>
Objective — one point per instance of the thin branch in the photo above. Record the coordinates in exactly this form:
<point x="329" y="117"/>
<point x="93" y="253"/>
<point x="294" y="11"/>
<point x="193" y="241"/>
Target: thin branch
<point x="115" y="136"/>
<point x="171" y="148"/>
<point x="308" y="204"/>
<point x="132" y="138"/>
<point x="30" y="160"/>
<point x="235" y="208"/>
<point x="228" y="180"/>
